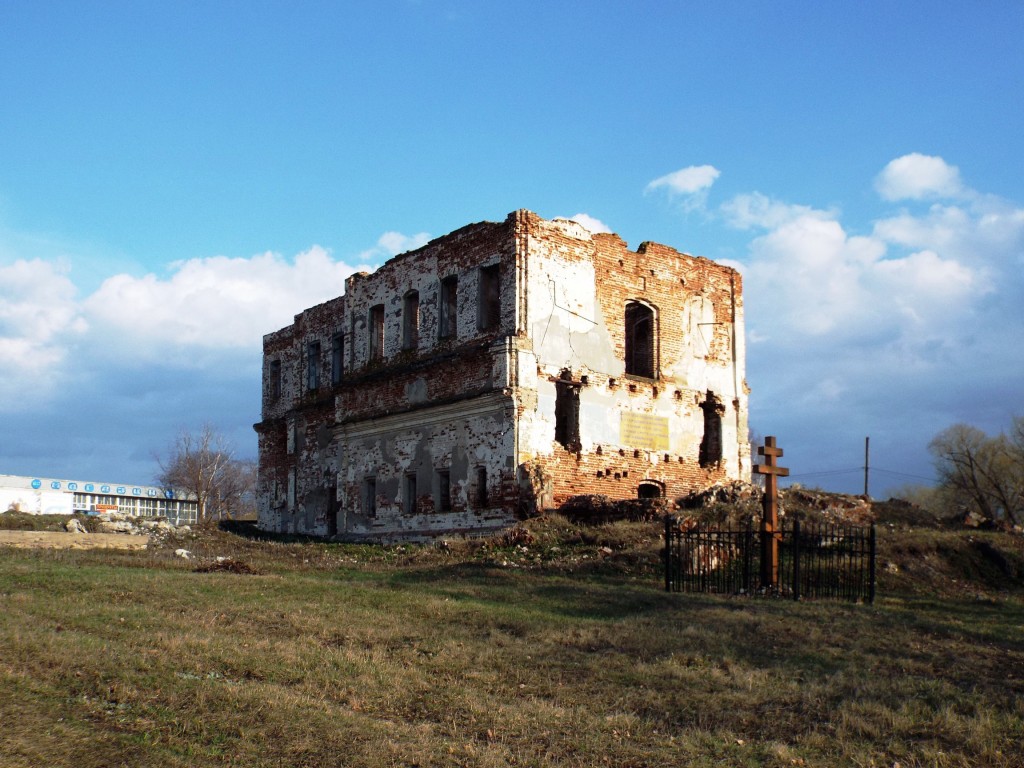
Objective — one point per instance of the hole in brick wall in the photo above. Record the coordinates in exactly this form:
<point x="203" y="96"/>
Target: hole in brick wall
<point x="584" y="380"/>
<point x="682" y="281"/>
<point x="678" y="395"/>
<point x="654" y="391"/>
<point x="598" y="451"/>
<point x="641" y="344"/>
<point x="480" y="495"/>
<point x="632" y="387"/>
<point x="622" y="451"/>
<point x="410" y="320"/>
<point x="667" y="458"/>
<point x="489" y="298"/>
<point x="567" y="411"/>
<point x="625" y="473"/>
<point x="680" y="459"/>
<point x="376" y="326"/>
<point x="618" y="476"/>
<point x="711" y="443"/>
<point x="636" y="454"/>
<point x="650" y="489"/>
<point x="612" y="383"/>
<point x="600" y="473"/>
<point x="449" y="306"/>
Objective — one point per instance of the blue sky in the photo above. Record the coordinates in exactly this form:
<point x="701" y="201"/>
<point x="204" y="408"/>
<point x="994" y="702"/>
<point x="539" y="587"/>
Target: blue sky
<point x="177" y="179"/>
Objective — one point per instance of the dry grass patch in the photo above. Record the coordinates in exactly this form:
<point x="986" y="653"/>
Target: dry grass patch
<point x="479" y="653"/>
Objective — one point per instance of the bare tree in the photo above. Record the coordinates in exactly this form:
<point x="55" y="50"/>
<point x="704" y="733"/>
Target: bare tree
<point x="204" y="466"/>
<point x="236" y="494"/>
<point x="984" y="474"/>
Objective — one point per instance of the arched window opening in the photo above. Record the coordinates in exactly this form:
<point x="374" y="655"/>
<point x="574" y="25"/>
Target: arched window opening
<point x="711" y="443"/>
<point x="567" y="411"/>
<point x="641" y="340"/>
<point x="650" y="489"/>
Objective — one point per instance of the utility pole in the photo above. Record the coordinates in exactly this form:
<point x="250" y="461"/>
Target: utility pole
<point x="867" y="463"/>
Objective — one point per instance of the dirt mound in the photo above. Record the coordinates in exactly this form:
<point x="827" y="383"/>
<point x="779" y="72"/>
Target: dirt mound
<point x="226" y="565"/>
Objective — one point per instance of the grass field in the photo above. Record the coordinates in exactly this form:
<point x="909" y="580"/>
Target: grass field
<point x="551" y="647"/>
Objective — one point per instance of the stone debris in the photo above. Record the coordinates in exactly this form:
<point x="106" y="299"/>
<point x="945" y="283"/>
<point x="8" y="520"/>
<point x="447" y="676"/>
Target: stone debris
<point x="184" y="554"/>
<point x="734" y="492"/>
<point x="74" y="525"/>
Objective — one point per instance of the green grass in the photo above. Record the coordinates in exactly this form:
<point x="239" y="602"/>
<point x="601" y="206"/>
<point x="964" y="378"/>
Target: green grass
<point x="563" y="656"/>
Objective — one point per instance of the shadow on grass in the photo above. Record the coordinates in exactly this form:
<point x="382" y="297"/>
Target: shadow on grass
<point x="582" y="597"/>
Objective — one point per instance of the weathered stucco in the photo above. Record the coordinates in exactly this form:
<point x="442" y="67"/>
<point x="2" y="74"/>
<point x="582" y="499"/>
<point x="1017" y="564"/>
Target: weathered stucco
<point x="472" y="415"/>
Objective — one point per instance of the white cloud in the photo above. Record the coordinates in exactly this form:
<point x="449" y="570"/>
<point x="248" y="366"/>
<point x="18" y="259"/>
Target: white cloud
<point x="757" y="210"/>
<point x="919" y="177"/>
<point x="39" y="319"/>
<point x="591" y="224"/>
<point x="686" y="181"/>
<point x="212" y="303"/>
<point x="391" y="244"/>
<point x="894" y="333"/>
<point x="822" y="292"/>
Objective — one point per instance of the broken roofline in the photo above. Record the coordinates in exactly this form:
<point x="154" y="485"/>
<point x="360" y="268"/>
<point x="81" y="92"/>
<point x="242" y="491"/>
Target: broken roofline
<point x="438" y="407"/>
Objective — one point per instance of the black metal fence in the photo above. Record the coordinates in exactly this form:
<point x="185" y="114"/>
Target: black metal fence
<point x="814" y="561"/>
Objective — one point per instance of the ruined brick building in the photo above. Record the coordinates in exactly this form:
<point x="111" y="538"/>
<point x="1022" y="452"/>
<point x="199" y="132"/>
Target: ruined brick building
<point x="498" y="371"/>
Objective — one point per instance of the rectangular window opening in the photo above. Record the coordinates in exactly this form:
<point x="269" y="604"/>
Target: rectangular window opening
<point x="410" y="493"/>
<point x="337" y="357"/>
<point x="481" y="495"/>
<point x="313" y="366"/>
<point x="411" y="320"/>
<point x="370" y="496"/>
<point x="275" y="379"/>
<point x="447" y="327"/>
<point x="444" y="490"/>
<point x="489" y="305"/>
<point x="376" y="328"/>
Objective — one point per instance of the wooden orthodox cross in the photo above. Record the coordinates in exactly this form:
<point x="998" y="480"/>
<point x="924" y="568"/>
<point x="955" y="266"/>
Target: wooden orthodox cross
<point x="770" y="521"/>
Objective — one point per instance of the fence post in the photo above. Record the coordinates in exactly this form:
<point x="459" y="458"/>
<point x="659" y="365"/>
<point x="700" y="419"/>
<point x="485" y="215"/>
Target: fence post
<point x="796" y="559"/>
<point x="668" y="553"/>
<point x="871" y="588"/>
<point x="747" y="555"/>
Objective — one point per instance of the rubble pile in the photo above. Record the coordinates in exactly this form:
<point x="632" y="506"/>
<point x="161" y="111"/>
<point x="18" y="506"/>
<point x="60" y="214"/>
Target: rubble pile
<point x="595" y="508"/>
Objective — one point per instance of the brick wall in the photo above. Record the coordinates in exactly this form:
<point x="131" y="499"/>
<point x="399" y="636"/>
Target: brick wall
<point x="483" y="399"/>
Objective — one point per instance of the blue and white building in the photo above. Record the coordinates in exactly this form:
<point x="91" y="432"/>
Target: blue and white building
<point x="50" y="496"/>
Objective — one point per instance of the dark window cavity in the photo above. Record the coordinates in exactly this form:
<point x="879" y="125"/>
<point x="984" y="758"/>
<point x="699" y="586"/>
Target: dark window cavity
<point x="370" y="495"/>
<point x="444" y="490"/>
<point x="337" y="357"/>
<point x="640" y="340"/>
<point x="275" y="379"/>
<point x="480" y="492"/>
<point x="711" y="443"/>
<point x="313" y="365"/>
<point x="489" y="304"/>
<point x="650" y="490"/>
<point x="376" y="327"/>
<point x="447" y="327"/>
<point x="411" y="320"/>
<point x="567" y="411"/>
<point x="410" y="494"/>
